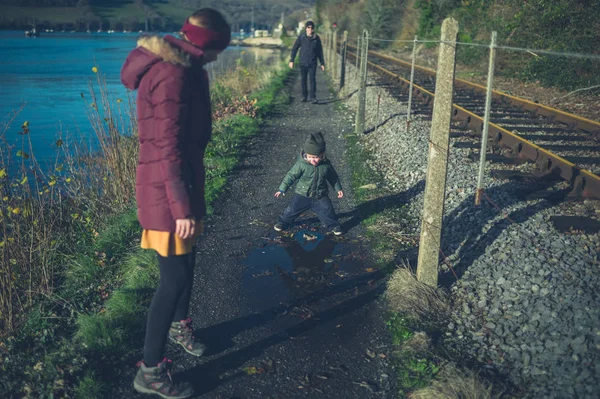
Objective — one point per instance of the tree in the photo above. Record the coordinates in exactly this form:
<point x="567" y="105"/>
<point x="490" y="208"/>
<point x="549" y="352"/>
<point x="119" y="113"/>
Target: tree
<point x="382" y="19"/>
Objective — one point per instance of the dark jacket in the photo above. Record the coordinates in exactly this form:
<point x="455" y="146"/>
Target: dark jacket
<point x="311" y="50"/>
<point x="174" y="127"/>
<point x="312" y="180"/>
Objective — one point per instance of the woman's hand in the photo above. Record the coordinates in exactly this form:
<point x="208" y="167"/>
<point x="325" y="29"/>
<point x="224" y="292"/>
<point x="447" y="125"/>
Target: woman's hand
<point x="340" y="194"/>
<point x="185" y="228"/>
<point x="278" y="193"/>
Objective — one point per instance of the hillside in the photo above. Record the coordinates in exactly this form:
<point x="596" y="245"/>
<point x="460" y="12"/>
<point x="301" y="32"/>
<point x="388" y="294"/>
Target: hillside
<point x="559" y="26"/>
<point x="132" y="15"/>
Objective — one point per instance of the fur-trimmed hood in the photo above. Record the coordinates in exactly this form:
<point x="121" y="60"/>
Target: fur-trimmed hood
<point x="151" y="50"/>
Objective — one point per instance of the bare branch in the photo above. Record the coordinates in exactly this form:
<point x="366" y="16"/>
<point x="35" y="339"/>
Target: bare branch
<point x="575" y="91"/>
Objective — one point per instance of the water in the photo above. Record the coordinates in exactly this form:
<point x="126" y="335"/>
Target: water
<point x="304" y="264"/>
<point x="48" y="75"/>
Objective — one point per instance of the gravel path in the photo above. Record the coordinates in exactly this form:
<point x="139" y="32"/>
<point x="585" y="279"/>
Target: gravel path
<point x="526" y="300"/>
<point x="273" y="333"/>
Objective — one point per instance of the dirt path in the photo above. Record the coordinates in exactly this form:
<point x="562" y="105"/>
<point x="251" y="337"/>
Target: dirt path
<point x="285" y="316"/>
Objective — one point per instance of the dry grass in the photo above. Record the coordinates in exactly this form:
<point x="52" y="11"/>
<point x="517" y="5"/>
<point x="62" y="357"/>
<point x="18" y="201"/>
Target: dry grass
<point x="45" y="209"/>
<point x="417" y="345"/>
<point x="245" y="79"/>
<point x="415" y="300"/>
<point x="452" y="383"/>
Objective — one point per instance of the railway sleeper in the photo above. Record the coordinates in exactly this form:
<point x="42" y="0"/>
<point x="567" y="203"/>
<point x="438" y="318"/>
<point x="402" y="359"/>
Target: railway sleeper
<point x="581" y="182"/>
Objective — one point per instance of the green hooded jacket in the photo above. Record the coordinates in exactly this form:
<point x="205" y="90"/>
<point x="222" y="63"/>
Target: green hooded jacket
<point x="312" y="180"/>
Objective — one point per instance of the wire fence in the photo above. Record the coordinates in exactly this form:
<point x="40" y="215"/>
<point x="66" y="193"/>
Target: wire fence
<point x="487" y="45"/>
<point x="509" y="211"/>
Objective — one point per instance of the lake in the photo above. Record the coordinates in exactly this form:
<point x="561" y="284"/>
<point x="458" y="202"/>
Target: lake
<point x="47" y="75"/>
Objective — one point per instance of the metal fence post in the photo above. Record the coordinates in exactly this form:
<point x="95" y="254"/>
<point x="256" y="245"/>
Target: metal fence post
<point x="486" y="119"/>
<point x="362" y="93"/>
<point x="329" y="50"/>
<point x="334" y="62"/>
<point x="437" y="164"/>
<point x="331" y="53"/>
<point x="324" y="48"/>
<point x="377" y="115"/>
<point x="410" y="90"/>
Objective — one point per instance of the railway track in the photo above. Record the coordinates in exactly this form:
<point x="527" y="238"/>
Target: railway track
<point x="559" y="143"/>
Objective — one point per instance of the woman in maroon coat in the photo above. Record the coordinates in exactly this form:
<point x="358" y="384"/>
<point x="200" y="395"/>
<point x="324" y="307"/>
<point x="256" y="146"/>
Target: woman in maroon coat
<point x="174" y="122"/>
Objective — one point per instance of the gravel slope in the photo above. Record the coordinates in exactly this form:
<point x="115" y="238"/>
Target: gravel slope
<point x="526" y="300"/>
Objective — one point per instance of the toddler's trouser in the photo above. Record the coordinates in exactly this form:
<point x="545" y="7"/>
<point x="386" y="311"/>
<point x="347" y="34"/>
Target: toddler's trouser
<point x="322" y="207"/>
<point x="170" y="303"/>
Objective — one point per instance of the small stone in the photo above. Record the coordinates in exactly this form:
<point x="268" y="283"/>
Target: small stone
<point x="579" y="340"/>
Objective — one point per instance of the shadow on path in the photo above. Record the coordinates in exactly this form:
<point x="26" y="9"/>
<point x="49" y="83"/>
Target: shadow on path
<point x="208" y="376"/>
<point x="375" y="206"/>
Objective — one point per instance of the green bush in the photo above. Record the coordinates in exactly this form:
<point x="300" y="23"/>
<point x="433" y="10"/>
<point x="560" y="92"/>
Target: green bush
<point x="563" y="72"/>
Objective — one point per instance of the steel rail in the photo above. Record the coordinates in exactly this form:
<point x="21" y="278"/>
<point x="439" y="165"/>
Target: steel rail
<point x="583" y="182"/>
<point x="555" y="115"/>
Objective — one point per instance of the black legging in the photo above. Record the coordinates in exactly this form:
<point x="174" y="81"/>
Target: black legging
<point x="170" y="303"/>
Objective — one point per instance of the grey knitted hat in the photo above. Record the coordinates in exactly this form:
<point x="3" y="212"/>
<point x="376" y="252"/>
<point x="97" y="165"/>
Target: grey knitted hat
<point x="315" y="144"/>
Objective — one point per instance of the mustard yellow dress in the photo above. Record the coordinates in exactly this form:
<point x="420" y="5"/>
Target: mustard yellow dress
<point x="167" y="244"/>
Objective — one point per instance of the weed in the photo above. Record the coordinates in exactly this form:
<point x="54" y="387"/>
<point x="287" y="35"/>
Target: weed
<point x="415" y="373"/>
<point x="91" y="387"/>
<point x="398" y="326"/>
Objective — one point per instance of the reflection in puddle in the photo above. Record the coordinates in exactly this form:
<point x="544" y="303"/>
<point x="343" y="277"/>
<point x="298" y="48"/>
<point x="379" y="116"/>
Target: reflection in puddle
<point x="291" y="267"/>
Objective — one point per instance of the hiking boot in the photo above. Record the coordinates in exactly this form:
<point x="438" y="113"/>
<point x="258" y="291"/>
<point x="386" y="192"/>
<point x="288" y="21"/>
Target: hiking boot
<point x="157" y="380"/>
<point x="337" y="230"/>
<point x="314" y="101"/>
<point x="181" y="333"/>
<point x="279" y="226"/>
<point x="303" y="99"/>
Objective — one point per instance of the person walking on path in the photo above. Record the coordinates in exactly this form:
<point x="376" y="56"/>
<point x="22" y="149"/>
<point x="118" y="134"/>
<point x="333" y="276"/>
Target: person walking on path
<point x="174" y="122"/>
<point x="312" y="171"/>
<point x="311" y="50"/>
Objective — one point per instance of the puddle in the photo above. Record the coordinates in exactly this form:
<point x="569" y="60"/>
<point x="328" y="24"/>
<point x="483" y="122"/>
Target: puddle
<point x="289" y="267"/>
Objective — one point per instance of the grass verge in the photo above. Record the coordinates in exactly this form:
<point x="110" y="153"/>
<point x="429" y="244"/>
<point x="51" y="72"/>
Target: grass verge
<point x="74" y="340"/>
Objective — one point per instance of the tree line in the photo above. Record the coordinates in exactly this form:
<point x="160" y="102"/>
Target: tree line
<point x="558" y="25"/>
<point x="92" y="14"/>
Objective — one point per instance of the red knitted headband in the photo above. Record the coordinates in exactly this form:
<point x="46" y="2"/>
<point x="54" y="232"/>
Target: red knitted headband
<point x="204" y="38"/>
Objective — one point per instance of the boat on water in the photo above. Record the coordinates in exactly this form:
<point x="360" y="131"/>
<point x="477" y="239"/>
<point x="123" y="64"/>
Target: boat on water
<point x="32" y="33"/>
